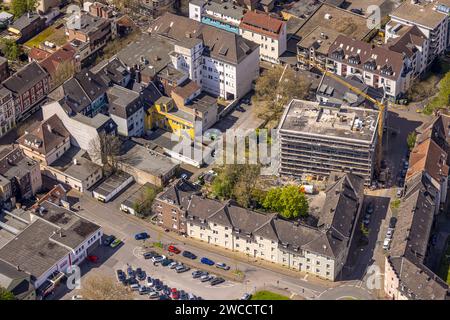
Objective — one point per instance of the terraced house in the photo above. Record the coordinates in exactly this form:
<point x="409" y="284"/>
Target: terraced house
<point x="319" y="249"/>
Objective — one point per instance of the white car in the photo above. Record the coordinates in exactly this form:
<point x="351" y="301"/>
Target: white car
<point x="389" y="233"/>
<point x="77" y="297"/>
<point x="158" y="258"/>
<point x="386" y="244"/>
<point x="153" y="294"/>
<point x="179" y="267"/>
<point x="149" y="281"/>
<point x="135" y="287"/>
<point x="246" y="296"/>
<point x="173" y="265"/>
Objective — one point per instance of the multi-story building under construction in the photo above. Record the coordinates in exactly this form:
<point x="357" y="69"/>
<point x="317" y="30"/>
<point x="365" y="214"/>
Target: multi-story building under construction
<point x="316" y="139"/>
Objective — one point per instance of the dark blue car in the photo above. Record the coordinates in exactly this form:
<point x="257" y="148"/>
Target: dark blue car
<point x="141" y="236"/>
<point x="189" y="255"/>
<point x="207" y="261"/>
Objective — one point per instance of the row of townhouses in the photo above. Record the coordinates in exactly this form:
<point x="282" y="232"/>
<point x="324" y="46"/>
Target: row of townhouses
<point x="320" y="249"/>
<point x="407" y="275"/>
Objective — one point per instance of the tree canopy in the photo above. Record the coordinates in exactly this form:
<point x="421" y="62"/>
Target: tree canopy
<point x="288" y="201"/>
<point x="6" y="295"/>
<point x="19" y="7"/>
<point x="275" y="88"/>
<point x="11" y="49"/>
<point x="411" y="140"/>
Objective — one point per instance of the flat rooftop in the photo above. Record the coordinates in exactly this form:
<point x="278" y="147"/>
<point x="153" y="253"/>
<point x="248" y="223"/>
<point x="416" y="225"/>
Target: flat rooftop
<point x="112" y="183"/>
<point x="311" y="118"/>
<point x="345" y="22"/>
<point x="143" y="159"/>
<point x="320" y="38"/>
<point x="422" y="14"/>
<point x="138" y="196"/>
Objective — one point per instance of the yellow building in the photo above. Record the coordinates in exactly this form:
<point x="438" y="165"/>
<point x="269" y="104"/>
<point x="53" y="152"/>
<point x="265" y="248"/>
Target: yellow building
<point x="167" y="116"/>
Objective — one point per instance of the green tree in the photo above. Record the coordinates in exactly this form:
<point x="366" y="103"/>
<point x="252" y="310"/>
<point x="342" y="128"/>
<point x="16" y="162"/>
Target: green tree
<point x="411" y="140"/>
<point x="11" y="49"/>
<point x="6" y="295"/>
<point x="442" y="100"/>
<point x="144" y="206"/>
<point x="19" y="7"/>
<point x="288" y="201"/>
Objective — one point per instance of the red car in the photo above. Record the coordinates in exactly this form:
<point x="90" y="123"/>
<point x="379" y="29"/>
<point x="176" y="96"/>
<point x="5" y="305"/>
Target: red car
<point x="93" y="259"/>
<point x="174" y="294"/>
<point x="174" y="249"/>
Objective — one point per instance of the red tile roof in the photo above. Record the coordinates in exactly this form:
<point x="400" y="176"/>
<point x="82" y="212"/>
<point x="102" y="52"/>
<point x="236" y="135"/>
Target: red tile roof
<point x="52" y="62"/>
<point x="38" y="54"/>
<point x="262" y="23"/>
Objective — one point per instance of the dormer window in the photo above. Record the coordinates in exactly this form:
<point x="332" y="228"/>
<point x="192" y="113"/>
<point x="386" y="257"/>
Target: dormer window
<point x="338" y="54"/>
<point x="354" y="59"/>
<point x="370" y="65"/>
<point x="387" y="70"/>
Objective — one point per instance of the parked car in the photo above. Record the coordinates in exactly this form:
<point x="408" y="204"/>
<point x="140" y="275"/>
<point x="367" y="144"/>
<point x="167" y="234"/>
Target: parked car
<point x="120" y="275"/>
<point x="184" y="176"/>
<point x="174" y="249"/>
<point x="158" y="258"/>
<point x="130" y="272"/>
<point x="143" y="290"/>
<point x="140" y="274"/>
<point x="132" y="280"/>
<point x="150" y="254"/>
<point x="164" y="297"/>
<point x="77" y="297"/>
<point x="386" y="243"/>
<point x="206" y="278"/>
<point x="392" y="222"/>
<point x="370" y="208"/>
<point x="115" y="243"/>
<point x="108" y="240"/>
<point x="166" y="262"/>
<point x="173" y="265"/>
<point x="217" y="281"/>
<point x="174" y="294"/>
<point x="188" y="254"/>
<point x="183" y="269"/>
<point x="149" y="281"/>
<point x="223" y="266"/>
<point x="92" y="258"/>
<point x="135" y="287"/>
<point x="246" y="296"/>
<point x="153" y="295"/>
<point x="196" y="274"/>
<point x="399" y="192"/>
<point x="389" y="233"/>
<point x="366" y="219"/>
<point x="207" y="261"/>
<point x="141" y="236"/>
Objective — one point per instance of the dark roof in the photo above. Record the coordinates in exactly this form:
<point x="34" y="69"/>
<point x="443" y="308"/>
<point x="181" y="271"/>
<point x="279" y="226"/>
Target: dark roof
<point x="79" y="91"/>
<point x="9" y="274"/>
<point x="178" y="193"/>
<point x="407" y="44"/>
<point x="123" y="102"/>
<point x="114" y="71"/>
<point x="25" y="20"/>
<point x="343" y="201"/>
<point x="220" y="44"/>
<point x="186" y="89"/>
<point x="45" y="136"/>
<point x="25" y="78"/>
<point x="64" y="54"/>
<point x="378" y="60"/>
<point x="149" y="93"/>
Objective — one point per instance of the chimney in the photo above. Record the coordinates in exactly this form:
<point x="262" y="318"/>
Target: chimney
<point x="49" y="127"/>
<point x="75" y="161"/>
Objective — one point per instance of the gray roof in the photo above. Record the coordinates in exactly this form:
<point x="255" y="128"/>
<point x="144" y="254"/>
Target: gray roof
<point x="140" y="158"/>
<point x="25" y="78"/>
<point x="123" y="102"/>
<point x="9" y="274"/>
<point x="225" y="8"/>
<point x="32" y="250"/>
<point x="330" y="238"/>
<point x="89" y="23"/>
<point x="25" y="20"/>
<point x="138" y="196"/>
<point x="178" y="193"/>
<point x="114" y="70"/>
<point x="80" y="171"/>
<point x="149" y="93"/>
<point x="220" y="44"/>
<point x="111" y="183"/>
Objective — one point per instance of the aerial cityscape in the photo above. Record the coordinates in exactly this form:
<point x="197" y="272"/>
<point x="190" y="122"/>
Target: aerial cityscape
<point x="224" y="150"/>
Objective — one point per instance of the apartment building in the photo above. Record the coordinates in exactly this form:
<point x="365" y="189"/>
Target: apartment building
<point x="378" y="67"/>
<point x="84" y="93"/>
<point x="127" y="111"/>
<point x="45" y="142"/>
<point x="317" y="139"/>
<point x="268" y="32"/>
<point x="92" y="30"/>
<point x="432" y="19"/>
<point x="7" y="111"/>
<point x="54" y="239"/>
<point x="223" y="63"/>
<point x="26" y="27"/>
<point x="405" y="276"/>
<point x="220" y="14"/>
<point x="319" y="249"/>
<point x="20" y="175"/>
<point x="29" y="87"/>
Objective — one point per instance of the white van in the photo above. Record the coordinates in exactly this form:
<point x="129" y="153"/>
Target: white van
<point x="386" y="244"/>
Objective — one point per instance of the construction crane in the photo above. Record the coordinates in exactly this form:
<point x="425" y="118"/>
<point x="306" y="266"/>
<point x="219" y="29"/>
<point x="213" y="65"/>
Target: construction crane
<point x="381" y="106"/>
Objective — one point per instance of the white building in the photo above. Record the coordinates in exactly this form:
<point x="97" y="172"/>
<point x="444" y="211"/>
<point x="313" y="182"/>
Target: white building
<point x="222" y="63"/>
<point x="432" y="19"/>
<point x="268" y="32"/>
<point x="378" y="67"/>
<point x="127" y="111"/>
<point x="54" y="239"/>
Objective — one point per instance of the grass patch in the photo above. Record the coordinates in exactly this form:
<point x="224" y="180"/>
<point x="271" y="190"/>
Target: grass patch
<point x="444" y="269"/>
<point x="158" y="245"/>
<point x="268" y="295"/>
<point x="395" y="204"/>
<point x="52" y="34"/>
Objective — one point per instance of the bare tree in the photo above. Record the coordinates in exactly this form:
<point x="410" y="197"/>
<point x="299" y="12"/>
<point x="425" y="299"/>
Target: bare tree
<point x="106" y="150"/>
<point x="101" y="287"/>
